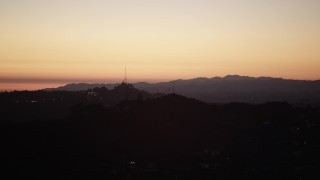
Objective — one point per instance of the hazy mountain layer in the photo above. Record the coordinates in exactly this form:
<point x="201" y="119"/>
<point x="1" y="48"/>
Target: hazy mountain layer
<point x="231" y="88"/>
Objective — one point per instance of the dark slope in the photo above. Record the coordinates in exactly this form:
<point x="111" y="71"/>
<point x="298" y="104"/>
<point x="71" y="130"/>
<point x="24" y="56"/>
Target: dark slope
<point x="166" y="138"/>
<point x="47" y="105"/>
<point x="81" y="87"/>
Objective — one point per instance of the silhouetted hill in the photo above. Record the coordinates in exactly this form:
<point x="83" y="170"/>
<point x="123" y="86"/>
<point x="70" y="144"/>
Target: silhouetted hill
<point x="127" y="133"/>
<point x="233" y="88"/>
<point x="81" y="87"/>
<point x="167" y="137"/>
<point x="44" y="105"/>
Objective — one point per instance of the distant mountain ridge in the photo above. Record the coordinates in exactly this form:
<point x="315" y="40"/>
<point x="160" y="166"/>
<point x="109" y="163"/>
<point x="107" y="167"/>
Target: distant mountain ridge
<point x="231" y="88"/>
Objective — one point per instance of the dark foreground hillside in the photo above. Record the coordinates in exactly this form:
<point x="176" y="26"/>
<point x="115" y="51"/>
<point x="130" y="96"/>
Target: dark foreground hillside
<point x="170" y="137"/>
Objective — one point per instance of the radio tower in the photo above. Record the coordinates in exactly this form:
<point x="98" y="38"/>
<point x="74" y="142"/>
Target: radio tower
<point x="125" y="75"/>
<point x="126" y="83"/>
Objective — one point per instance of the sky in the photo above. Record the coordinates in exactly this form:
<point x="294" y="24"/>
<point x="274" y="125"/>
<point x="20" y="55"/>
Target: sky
<point x="45" y="43"/>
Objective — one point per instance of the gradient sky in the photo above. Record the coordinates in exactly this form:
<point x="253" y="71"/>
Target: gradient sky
<point x="50" y="42"/>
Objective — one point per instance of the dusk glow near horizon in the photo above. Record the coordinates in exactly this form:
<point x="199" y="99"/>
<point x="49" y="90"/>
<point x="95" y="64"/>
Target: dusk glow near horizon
<point x="47" y="43"/>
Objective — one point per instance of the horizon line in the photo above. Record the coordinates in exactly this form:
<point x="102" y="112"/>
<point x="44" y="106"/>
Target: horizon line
<point x="62" y="82"/>
<point x="118" y="80"/>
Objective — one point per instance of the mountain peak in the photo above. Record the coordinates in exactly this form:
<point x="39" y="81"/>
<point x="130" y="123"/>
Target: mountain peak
<point x="237" y="77"/>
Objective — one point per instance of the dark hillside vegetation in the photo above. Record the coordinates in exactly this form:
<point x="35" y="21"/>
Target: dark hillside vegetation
<point x="157" y="137"/>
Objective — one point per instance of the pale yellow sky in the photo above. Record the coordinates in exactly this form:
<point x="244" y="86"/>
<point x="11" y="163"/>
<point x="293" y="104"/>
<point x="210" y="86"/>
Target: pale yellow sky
<point x="44" y="41"/>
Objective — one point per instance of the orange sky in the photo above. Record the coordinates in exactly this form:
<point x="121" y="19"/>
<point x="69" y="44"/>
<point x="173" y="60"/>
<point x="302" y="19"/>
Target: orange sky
<point x="47" y="43"/>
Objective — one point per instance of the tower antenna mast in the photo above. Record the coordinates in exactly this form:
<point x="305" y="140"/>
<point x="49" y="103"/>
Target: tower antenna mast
<point x="126" y="83"/>
<point x="125" y="74"/>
